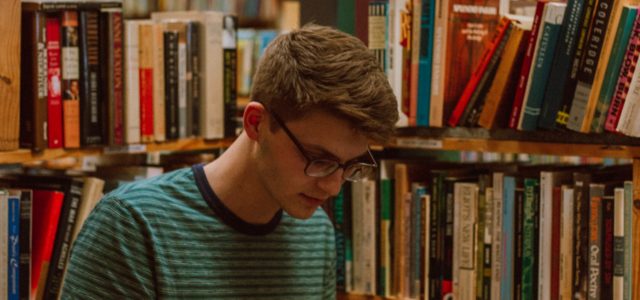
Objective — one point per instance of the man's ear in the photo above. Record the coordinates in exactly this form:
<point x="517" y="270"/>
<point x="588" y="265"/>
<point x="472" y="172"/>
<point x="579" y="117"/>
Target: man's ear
<point x="254" y="115"/>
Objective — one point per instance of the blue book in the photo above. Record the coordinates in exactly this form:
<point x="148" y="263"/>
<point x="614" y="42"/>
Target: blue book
<point x="552" y="16"/>
<point x="508" y="236"/>
<point x="425" y="62"/>
<point x="14" y="247"/>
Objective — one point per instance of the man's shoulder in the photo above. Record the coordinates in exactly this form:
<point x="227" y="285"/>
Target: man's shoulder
<point x="165" y="187"/>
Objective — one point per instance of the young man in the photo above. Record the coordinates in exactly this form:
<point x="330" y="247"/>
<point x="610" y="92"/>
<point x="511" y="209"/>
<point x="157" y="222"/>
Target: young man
<point x="248" y="225"/>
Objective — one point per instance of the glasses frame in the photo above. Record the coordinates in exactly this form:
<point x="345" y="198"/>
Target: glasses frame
<point x="310" y="160"/>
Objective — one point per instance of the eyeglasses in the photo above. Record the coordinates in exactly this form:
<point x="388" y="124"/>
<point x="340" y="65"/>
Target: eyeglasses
<point x="353" y="170"/>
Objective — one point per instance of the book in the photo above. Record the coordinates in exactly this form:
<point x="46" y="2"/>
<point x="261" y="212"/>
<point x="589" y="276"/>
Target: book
<point x="425" y="53"/>
<point x="614" y="63"/>
<point x="468" y="28"/>
<point x="490" y="57"/>
<point x="54" y="82"/>
<point x="618" y="243"/>
<point x="230" y="65"/>
<point x="92" y="107"/>
<point x="598" y="41"/>
<point x="132" y="82"/>
<point x="502" y="89"/>
<point x="436" y="103"/>
<point x="70" y="79"/>
<point x="525" y="68"/>
<point x="47" y="205"/>
<point x="111" y="37"/>
<point x="566" y="245"/>
<point x="146" y="80"/>
<point x="550" y="27"/>
<point x="562" y="59"/>
<point x="10" y="70"/>
<point x="483" y="73"/>
<point x="26" y="239"/>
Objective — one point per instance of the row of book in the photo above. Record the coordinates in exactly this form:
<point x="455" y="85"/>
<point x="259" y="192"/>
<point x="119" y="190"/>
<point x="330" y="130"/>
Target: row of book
<point x="430" y="230"/>
<point x="547" y="77"/>
<point x="42" y="212"/>
<point x="91" y="78"/>
<point x="568" y="65"/>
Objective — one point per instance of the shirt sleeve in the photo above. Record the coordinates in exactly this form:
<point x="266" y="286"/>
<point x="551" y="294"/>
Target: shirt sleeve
<point x="111" y="258"/>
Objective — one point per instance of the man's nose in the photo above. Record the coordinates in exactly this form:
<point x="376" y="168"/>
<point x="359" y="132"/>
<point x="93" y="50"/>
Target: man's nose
<point x="332" y="183"/>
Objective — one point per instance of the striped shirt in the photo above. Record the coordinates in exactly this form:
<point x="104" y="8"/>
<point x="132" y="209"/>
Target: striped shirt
<point x="170" y="237"/>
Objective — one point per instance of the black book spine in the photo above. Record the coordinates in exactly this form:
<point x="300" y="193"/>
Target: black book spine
<point x="91" y="107"/>
<point x="607" y="248"/>
<point x="194" y="86"/>
<point x="581" y="236"/>
<point x="25" y="244"/>
<point x="171" y="83"/>
<point x="230" y="75"/>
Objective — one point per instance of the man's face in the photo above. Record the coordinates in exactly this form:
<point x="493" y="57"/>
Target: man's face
<point x="281" y="164"/>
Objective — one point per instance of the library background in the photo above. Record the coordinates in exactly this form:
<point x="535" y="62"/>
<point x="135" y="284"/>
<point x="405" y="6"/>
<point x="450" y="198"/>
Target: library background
<point x="515" y="173"/>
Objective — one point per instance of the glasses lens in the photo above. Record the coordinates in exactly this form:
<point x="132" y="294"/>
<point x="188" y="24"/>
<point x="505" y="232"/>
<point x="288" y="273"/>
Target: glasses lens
<point x="321" y="167"/>
<point x="357" y="171"/>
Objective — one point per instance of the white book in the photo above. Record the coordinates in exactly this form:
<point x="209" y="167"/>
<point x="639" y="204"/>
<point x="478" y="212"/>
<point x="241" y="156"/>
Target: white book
<point x="131" y="82"/>
<point x="566" y="243"/>
<point x="464" y="243"/>
<point x="436" y="105"/>
<point x="395" y="55"/>
<point x="363" y="228"/>
<point x="212" y="106"/>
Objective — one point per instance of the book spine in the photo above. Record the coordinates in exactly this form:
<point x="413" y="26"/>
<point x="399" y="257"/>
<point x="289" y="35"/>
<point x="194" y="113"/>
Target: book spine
<point x="425" y="62"/>
<point x="508" y="239"/>
<point x="628" y="240"/>
<point x="229" y="47"/>
<point x="562" y="57"/>
<point x="146" y="79"/>
<point x="627" y="124"/>
<point x="13" y="245"/>
<point x="624" y="79"/>
<point x="33" y="81"/>
<point x="518" y="241"/>
<point x="595" y="235"/>
<point x="193" y="79"/>
<point x="118" y="73"/>
<point x="25" y="244"/>
<point x="496" y="250"/>
<point x="607" y="248"/>
<point x="339" y="220"/>
<point x="435" y="236"/>
<point x="523" y="78"/>
<point x="581" y="239"/>
<point x="159" y="105"/>
<point x="70" y="77"/>
<point x="488" y="245"/>
<point x="610" y="78"/>
<point x="92" y="107"/>
<point x="171" y="83"/>
<point x="436" y="109"/>
<point x="182" y="83"/>
<point x="566" y="246"/>
<point x="581" y="112"/>
<point x="133" y="84"/>
<point x="529" y="240"/>
<point x="386" y="194"/>
<point x="618" y="244"/>
<point x="54" y="83"/>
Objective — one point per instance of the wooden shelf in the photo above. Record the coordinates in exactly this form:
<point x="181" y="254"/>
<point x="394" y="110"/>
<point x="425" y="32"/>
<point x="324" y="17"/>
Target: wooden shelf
<point x="513" y="141"/>
<point x="345" y="296"/>
<point x="25" y="155"/>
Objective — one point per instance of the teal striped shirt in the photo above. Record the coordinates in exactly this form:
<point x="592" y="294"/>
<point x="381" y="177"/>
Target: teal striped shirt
<point x="170" y="237"/>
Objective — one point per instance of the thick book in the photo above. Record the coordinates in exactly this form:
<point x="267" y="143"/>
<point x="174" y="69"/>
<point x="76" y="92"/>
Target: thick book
<point x="490" y="56"/>
<point x="10" y="70"/>
<point x="111" y="39"/>
<point x="180" y="28"/>
<point x="562" y="59"/>
<point x="92" y="106"/>
<point x="468" y="35"/>
<point x="627" y="124"/>
<point x="47" y="205"/>
<point x="425" y="54"/>
<point x="598" y="41"/>
<point x="70" y="79"/>
<point x="596" y="192"/>
<point x="436" y="103"/>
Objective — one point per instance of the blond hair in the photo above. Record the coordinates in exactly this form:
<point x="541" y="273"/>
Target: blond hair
<point x="321" y="68"/>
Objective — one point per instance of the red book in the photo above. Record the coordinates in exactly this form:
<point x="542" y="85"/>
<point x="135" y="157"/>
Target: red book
<point x="54" y="83"/>
<point x="526" y="66"/>
<point x="146" y="104"/>
<point x="46" y="208"/>
<point x="479" y="71"/>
